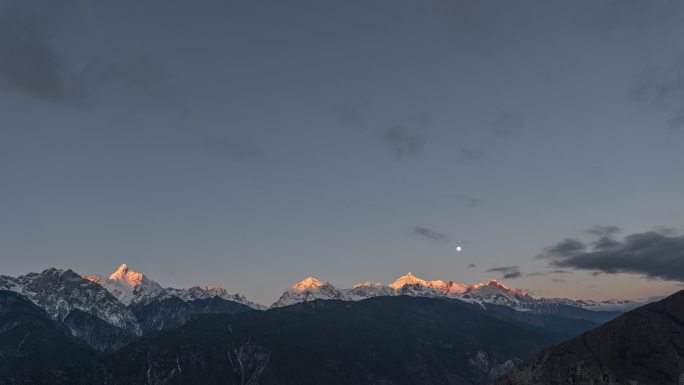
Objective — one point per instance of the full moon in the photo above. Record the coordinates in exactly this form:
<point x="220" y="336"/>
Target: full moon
<point x="458" y="248"/>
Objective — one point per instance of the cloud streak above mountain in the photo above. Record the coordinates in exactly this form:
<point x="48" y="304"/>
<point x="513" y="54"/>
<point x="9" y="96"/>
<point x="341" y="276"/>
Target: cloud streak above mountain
<point x="508" y="272"/>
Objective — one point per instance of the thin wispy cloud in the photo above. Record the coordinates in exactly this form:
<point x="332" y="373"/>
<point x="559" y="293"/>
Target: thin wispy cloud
<point x="29" y="64"/>
<point x="507" y="124"/>
<point x="662" y="89"/>
<point x="32" y="65"/>
<point x="403" y="144"/>
<point x="470" y="201"/>
<point x="348" y="115"/>
<point x="468" y="156"/>
<point x="602" y="231"/>
<point x="431" y="234"/>
<point x="612" y="17"/>
<point x="507" y="272"/>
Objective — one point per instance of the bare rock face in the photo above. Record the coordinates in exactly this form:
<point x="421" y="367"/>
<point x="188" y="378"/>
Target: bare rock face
<point x="644" y="346"/>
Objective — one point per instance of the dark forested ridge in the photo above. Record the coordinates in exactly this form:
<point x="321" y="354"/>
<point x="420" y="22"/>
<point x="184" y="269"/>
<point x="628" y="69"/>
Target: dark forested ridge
<point x="31" y="342"/>
<point x="385" y="340"/>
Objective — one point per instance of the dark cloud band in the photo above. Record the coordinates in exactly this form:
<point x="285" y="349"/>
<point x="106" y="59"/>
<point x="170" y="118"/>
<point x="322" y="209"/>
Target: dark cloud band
<point x="651" y="254"/>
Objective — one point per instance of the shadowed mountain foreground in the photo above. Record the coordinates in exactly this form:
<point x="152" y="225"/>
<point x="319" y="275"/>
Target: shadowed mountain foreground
<point x="383" y="340"/>
<point x="644" y="346"/>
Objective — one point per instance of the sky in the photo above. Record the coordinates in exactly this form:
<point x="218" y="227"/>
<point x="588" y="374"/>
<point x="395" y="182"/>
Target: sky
<point x="251" y="144"/>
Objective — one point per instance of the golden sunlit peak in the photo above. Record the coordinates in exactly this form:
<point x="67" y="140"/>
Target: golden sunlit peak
<point x="122" y="269"/>
<point x="126" y="275"/>
<point x="493" y="284"/>
<point x="408" y="279"/>
<point x="308" y="283"/>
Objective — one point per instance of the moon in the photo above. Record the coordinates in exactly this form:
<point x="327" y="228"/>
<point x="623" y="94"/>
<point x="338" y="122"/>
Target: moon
<point x="458" y="248"/>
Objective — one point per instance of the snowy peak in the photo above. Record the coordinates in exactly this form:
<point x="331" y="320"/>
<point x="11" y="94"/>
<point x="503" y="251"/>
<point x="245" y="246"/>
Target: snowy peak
<point x="408" y="279"/>
<point x="125" y="274"/>
<point x="129" y="286"/>
<point x="409" y="284"/>
<point x="310" y="289"/>
<point x="128" y="277"/>
<point x="496" y="287"/>
<point x="309" y="283"/>
<point x="411" y="280"/>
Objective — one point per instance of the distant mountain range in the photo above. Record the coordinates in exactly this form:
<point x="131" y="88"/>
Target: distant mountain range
<point x="492" y="292"/>
<point x="61" y="327"/>
<point x="108" y="312"/>
<point x="409" y="331"/>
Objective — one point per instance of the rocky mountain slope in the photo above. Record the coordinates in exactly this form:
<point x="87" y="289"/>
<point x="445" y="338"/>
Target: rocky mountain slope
<point x="644" y="346"/>
<point x="107" y="313"/>
<point x="88" y="309"/>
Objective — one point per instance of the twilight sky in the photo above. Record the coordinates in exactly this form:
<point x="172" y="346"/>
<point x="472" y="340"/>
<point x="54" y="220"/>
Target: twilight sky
<point x="250" y="144"/>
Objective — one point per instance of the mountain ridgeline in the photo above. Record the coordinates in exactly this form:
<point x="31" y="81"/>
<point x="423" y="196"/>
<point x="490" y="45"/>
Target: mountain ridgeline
<point x="127" y="328"/>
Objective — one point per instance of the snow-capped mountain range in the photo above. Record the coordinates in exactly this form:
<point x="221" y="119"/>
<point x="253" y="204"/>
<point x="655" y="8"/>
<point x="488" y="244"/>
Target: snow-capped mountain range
<point x="107" y="312"/>
<point x="492" y="292"/>
<point x="60" y="292"/>
<point x="131" y="288"/>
